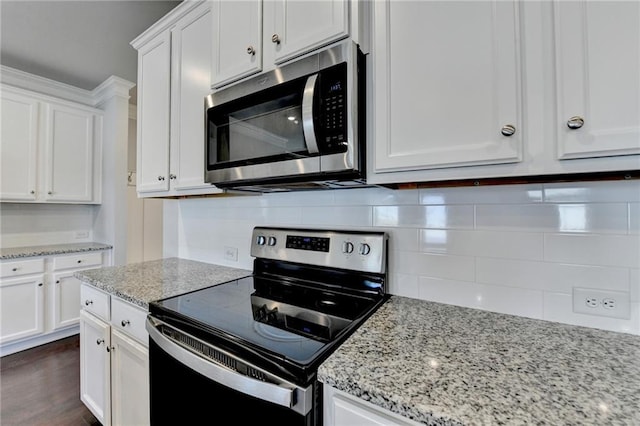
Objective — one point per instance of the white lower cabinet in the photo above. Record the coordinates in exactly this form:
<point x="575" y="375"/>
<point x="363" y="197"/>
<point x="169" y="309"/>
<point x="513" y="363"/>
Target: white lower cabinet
<point x="114" y="359"/>
<point x="342" y="409"/>
<point x="40" y="298"/>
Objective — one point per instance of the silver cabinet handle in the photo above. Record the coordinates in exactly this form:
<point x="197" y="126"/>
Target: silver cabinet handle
<point x="172" y="176"/>
<point x="251" y="51"/>
<point x="275" y="39"/>
<point x="508" y="130"/>
<point x="99" y="341"/>
<point x="88" y="302"/>
<point x="125" y="323"/>
<point x="575" y="122"/>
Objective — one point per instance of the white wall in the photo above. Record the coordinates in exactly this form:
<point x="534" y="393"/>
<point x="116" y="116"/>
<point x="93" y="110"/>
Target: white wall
<point x="38" y="224"/>
<point x="512" y="249"/>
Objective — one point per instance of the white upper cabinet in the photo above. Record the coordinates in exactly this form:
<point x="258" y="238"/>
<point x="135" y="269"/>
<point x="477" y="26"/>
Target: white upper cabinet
<point x="446" y="83"/>
<point x="298" y="26"/>
<point x="69" y="153"/>
<point x="190" y="84"/>
<point x="237" y="40"/>
<point x="18" y="150"/>
<point x="51" y="150"/>
<point x="174" y="77"/>
<point x="597" y="53"/>
<point x="257" y="35"/>
<point x="499" y="89"/>
<point x="154" y="73"/>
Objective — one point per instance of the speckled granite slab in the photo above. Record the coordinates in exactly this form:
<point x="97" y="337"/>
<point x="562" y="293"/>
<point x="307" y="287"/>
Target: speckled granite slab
<point x="48" y="250"/>
<point x="141" y="283"/>
<point x="446" y="365"/>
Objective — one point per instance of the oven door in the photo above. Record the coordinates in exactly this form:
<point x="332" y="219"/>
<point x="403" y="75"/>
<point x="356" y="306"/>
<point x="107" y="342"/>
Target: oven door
<point x="193" y="382"/>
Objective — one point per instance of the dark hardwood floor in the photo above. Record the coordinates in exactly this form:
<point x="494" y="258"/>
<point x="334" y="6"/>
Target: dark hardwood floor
<point x="41" y="386"/>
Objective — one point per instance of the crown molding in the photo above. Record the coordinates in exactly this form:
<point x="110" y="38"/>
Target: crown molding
<point x="45" y="86"/>
<point x="111" y="87"/>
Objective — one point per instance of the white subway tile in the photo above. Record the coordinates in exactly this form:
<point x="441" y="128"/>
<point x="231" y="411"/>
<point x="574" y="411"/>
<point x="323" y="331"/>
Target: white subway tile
<point x="433" y="265"/>
<point x="405" y="239"/>
<point x="439" y="217"/>
<point x="376" y="197"/>
<point x="513" y="245"/>
<point x="506" y="300"/>
<point x="592" y="192"/>
<point x="553" y="277"/>
<point x="634" y="218"/>
<point x="403" y="285"/>
<point x="500" y="194"/>
<point x="604" y="250"/>
<point x="302" y="198"/>
<point x="337" y="216"/>
<point x="559" y="308"/>
<point x="579" y="218"/>
<point x="634" y="284"/>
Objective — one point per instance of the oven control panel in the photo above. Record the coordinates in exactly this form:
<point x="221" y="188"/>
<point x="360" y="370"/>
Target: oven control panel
<point x="355" y="250"/>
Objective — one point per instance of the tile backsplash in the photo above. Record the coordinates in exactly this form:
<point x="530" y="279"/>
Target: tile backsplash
<point x="517" y="249"/>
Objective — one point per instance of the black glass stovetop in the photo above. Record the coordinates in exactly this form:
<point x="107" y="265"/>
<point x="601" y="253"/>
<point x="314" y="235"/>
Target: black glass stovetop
<point x="289" y="320"/>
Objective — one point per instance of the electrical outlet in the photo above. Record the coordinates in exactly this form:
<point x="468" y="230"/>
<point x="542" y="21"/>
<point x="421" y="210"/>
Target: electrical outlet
<point x="82" y="234"/>
<point x="606" y="303"/>
<point x="231" y="253"/>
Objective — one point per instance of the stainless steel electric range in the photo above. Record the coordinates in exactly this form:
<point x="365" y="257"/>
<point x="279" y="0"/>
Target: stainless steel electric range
<point x="249" y="349"/>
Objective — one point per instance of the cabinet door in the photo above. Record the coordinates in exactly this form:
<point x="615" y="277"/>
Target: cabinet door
<point x="446" y="84"/>
<point x="341" y="409"/>
<point x="21" y="307"/>
<point x="191" y="47"/>
<point x="153" y="114"/>
<point x="66" y="300"/>
<point x="69" y="153"/>
<point x="295" y="27"/>
<point x="598" y="78"/>
<point x="237" y="40"/>
<point x="18" y="144"/>
<point x="95" y="382"/>
<point x="129" y="381"/>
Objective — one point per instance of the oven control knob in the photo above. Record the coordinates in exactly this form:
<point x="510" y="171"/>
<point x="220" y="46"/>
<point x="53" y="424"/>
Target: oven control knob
<point x="260" y="240"/>
<point x="271" y="241"/>
<point x="347" y="247"/>
<point x="364" y="249"/>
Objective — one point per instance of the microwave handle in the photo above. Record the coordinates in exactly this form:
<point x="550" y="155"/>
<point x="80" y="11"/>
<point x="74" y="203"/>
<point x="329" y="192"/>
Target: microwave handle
<point x="307" y="115"/>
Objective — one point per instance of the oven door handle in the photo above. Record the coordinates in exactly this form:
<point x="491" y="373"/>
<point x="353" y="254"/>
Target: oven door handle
<point x="307" y="115"/>
<point x="283" y="394"/>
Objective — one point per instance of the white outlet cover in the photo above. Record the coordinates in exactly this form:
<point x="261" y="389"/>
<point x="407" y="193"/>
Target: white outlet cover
<point x="583" y="302"/>
<point x="231" y="253"/>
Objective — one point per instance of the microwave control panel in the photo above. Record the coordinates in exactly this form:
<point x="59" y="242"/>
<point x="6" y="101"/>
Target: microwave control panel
<point x="333" y="109"/>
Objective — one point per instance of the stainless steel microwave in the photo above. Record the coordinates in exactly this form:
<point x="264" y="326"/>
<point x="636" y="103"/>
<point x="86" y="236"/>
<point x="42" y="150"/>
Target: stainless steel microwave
<point x="299" y="126"/>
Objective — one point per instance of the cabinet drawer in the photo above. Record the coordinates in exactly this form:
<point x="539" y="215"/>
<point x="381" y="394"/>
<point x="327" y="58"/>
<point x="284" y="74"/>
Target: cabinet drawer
<point x="129" y="319"/>
<point x="95" y="301"/>
<point x="22" y="267"/>
<point x="78" y="260"/>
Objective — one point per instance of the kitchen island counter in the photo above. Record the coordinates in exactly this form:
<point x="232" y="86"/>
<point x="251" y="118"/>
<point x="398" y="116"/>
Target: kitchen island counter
<point x="141" y="283"/>
<point x="446" y="365"/>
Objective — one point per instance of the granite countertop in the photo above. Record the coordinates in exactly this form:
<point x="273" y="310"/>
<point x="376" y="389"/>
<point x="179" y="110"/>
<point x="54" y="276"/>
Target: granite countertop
<point x="51" y="249"/>
<point x="141" y="283"/>
<point x="446" y="365"/>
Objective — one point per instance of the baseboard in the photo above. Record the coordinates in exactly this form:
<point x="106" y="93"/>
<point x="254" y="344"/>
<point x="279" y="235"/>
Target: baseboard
<point x="11" y="348"/>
